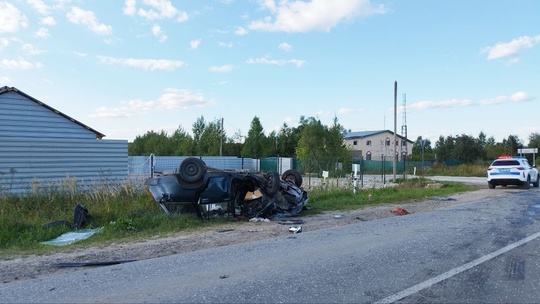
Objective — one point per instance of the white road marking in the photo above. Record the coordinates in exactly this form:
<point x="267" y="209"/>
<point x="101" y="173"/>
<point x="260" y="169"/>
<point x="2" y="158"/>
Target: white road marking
<point x="428" y="283"/>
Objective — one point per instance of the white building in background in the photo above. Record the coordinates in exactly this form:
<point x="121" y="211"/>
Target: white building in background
<point x="374" y="145"/>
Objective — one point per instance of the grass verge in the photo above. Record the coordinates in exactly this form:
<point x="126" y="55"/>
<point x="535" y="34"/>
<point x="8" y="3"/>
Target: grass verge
<point x="127" y="214"/>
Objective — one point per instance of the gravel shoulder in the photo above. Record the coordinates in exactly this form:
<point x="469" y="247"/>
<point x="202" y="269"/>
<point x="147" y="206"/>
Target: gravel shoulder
<point x="35" y="266"/>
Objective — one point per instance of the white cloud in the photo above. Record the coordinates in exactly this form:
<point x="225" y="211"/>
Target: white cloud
<point x="516" y="97"/>
<point x="222" y="69"/>
<point x="3" y="43"/>
<point x="423" y="105"/>
<point x="182" y="17"/>
<point x="285" y="47"/>
<point x="129" y="7"/>
<point x="512" y="48"/>
<point x="194" y="44"/>
<point x="266" y="60"/>
<point x="39" y="6"/>
<point x="48" y="21"/>
<point x="87" y="18"/>
<point x="171" y="99"/>
<point x="158" y="9"/>
<point x="31" y="50"/>
<point x="225" y="45"/>
<point x="19" y="64"/>
<point x="42" y="33"/>
<point x="80" y="54"/>
<point x="157" y="32"/>
<point x="305" y="16"/>
<point x="146" y="64"/>
<point x="240" y="31"/>
<point x="11" y="19"/>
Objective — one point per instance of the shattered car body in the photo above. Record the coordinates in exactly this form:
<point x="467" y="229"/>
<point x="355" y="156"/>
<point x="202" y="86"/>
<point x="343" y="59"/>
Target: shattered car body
<point x="247" y="194"/>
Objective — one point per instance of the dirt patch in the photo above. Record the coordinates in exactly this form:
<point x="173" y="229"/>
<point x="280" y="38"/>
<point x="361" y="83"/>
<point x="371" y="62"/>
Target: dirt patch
<point x="29" y="267"/>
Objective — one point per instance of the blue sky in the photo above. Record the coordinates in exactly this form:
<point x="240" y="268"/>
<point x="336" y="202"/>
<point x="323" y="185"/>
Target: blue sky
<point x="126" y="67"/>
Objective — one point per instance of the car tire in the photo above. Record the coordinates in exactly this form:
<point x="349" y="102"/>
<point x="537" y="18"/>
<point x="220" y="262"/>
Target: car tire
<point x="491" y="186"/>
<point x="272" y="182"/>
<point x="527" y="184"/>
<point x="293" y="176"/>
<point x="536" y="184"/>
<point x="192" y="169"/>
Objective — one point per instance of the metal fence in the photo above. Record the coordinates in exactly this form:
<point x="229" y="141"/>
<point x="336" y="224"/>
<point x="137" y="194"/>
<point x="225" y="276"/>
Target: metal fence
<point x="147" y="165"/>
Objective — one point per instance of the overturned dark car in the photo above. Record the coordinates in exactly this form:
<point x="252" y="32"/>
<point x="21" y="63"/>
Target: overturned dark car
<point x="197" y="187"/>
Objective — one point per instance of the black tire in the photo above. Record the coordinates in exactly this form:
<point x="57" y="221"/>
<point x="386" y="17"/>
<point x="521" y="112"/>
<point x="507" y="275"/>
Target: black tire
<point x="491" y="186"/>
<point x="527" y="184"/>
<point x="293" y="176"/>
<point x="536" y="184"/>
<point x="192" y="169"/>
<point x="272" y="182"/>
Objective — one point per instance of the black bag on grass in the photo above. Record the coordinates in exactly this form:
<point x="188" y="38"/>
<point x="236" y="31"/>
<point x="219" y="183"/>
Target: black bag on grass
<point x="80" y="216"/>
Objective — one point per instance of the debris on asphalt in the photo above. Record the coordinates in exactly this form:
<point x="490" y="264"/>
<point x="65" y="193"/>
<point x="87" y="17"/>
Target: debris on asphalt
<point x="444" y="199"/>
<point x="291" y="222"/>
<point x="90" y="264"/>
<point x="400" y="211"/>
<point x="224" y="230"/>
<point x="295" y="230"/>
<point x="259" y="219"/>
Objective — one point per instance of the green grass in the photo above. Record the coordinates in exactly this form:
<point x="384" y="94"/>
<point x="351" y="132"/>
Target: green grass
<point x="408" y="190"/>
<point x="476" y="170"/>
<point x="127" y="213"/>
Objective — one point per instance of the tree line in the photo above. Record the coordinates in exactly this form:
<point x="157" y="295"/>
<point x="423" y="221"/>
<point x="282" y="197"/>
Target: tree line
<point x="468" y="149"/>
<point x="316" y="145"/>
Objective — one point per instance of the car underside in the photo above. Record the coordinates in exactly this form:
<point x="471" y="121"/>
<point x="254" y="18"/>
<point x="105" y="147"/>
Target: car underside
<point x="196" y="187"/>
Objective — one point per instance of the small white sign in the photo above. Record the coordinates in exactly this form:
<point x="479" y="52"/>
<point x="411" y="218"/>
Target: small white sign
<point x="528" y="150"/>
<point x="325" y="174"/>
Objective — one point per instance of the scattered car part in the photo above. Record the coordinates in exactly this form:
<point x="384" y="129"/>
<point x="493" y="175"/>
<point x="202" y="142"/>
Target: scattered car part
<point x="90" y="264"/>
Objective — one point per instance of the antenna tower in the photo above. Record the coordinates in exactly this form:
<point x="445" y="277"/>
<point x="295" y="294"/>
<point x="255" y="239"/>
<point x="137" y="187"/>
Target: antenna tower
<point x="404" y="126"/>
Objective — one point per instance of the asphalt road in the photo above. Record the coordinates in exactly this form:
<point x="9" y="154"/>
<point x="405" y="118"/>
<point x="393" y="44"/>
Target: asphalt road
<point x="481" y="252"/>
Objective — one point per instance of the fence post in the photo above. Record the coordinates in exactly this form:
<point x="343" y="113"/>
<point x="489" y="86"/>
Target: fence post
<point x="152" y="165"/>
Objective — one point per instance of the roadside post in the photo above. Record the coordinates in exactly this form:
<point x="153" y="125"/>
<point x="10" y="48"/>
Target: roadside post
<point x="355" y="169"/>
<point x="325" y="176"/>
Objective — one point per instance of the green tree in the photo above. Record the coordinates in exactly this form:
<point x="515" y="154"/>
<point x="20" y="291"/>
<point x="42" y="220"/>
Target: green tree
<point x="254" y="146"/>
<point x="534" y="140"/>
<point x="181" y="141"/>
<point x="151" y="142"/>
<point x="512" y="144"/>
<point x="416" y="153"/>
<point x="321" y="148"/>
<point x="211" y="139"/>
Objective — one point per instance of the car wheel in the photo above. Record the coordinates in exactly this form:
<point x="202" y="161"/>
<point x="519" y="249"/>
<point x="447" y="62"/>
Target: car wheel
<point x="272" y="182"/>
<point x="491" y="186"/>
<point x="293" y="176"/>
<point x="527" y="184"/>
<point x="192" y="169"/>
<point x="536" y="184"/>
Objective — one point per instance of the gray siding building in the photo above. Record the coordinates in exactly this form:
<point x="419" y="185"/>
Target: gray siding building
<point x="42" y="148"/>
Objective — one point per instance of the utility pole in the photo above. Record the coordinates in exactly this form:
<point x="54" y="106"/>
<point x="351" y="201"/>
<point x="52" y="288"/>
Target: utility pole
<point x="404" y="134"/>
<point x="221" y="138"/>
<point x="395" y="132"/>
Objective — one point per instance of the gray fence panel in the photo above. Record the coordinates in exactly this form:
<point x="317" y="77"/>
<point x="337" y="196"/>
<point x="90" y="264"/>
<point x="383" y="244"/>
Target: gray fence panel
<point x="141" y="165"/>
<point x="28" y="164"/>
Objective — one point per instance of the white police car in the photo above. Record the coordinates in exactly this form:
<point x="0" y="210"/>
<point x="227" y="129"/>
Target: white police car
<point x="512" y="170"/>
